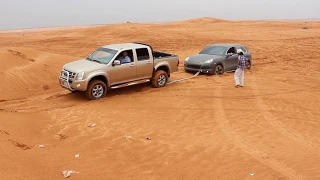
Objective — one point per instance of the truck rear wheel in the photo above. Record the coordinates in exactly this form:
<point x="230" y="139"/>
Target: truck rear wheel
<point x="159" y="79"/>
<point x="97" y="89"/>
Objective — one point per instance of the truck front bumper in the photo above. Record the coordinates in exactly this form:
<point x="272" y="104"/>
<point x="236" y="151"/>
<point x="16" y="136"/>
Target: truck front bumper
<point x="72" y="84"/>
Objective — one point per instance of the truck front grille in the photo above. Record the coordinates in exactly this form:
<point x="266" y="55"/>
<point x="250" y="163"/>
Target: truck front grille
<point x="71" y="74"/>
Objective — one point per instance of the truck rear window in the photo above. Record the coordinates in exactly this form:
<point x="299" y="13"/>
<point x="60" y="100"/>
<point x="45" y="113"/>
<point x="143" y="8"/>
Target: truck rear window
<point x="142" y="54"/>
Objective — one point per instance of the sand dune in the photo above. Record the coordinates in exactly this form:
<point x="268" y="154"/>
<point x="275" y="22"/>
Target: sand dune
<point x="27" y="71"/>
<point x="203" y="128"/>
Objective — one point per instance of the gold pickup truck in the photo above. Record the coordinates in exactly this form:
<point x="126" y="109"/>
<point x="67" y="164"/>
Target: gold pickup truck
<point x="118" y="65"/>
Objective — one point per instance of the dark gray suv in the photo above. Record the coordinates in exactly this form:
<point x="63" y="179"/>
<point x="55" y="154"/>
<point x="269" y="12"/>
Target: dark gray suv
<point x="217" y="59"/>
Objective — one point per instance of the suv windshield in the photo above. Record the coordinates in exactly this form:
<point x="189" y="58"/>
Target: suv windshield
<point x="216" y="50"/>
<point x="102" y="55"/>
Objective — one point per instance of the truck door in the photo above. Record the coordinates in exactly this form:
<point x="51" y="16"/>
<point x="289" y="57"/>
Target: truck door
<point x="126" y="71"/>
<point x="144" y="63"/>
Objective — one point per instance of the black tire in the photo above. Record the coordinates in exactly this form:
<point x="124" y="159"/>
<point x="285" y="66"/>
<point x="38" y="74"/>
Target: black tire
<point x="218" y="69"/>
<point x="97" y="89"/>
<point x="248" y="65"/>
<point x="159" y="79"/>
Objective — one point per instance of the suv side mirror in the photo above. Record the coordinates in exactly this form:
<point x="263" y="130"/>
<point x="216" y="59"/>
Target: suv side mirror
<point x="116" y="62"/>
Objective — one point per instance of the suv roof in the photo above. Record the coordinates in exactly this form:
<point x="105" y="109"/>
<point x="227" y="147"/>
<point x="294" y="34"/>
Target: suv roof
<point x="125" y="46"/>
<point x="226" y="45"/>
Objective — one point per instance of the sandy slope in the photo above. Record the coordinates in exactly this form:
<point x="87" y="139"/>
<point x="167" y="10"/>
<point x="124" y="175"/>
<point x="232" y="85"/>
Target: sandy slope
<point x="26" y="72"/>
<point x="203" y="128"/>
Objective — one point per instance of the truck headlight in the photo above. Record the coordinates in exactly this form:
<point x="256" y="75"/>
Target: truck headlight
<point x="80" y="75"/>
<point x="208" y="61"/>
<point x="186" y="59"/>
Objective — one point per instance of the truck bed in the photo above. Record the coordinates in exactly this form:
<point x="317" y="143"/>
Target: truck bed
<point x="172" y="59"/>
<point x="158" y="54"/>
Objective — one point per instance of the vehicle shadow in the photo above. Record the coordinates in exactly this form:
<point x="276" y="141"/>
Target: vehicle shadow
<point x="139" y="88"/>
<point x="125" y="91"/>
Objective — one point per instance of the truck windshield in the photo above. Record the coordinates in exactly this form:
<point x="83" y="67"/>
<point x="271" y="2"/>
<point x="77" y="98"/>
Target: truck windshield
<point x="216" y="50"/>
<point x="102" y="55"/>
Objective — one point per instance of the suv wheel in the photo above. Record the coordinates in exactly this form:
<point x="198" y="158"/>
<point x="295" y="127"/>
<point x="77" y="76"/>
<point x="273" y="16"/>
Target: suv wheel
<point x="218" y="69"/>
<point x="97" y="89"/>
<point x="159" y="79"/>
<point x="248" y="65"/>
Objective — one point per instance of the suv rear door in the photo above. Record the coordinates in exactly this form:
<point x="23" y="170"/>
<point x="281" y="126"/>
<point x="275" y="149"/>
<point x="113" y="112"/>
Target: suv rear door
<point x="245" y="52"/>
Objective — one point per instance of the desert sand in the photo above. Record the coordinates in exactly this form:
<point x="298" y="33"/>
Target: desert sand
<point x="202" y="128"/>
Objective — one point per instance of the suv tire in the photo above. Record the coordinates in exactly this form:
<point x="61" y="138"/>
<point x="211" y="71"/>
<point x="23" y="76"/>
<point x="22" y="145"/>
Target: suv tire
<point x="218" y="69"/>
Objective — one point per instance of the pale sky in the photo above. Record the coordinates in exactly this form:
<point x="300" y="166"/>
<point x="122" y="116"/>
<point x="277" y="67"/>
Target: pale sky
<point x="19" y="14"/>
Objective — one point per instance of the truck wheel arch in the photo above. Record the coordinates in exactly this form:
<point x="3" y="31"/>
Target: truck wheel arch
<point x="99" y="77"/>
<point x="165" y="68"/>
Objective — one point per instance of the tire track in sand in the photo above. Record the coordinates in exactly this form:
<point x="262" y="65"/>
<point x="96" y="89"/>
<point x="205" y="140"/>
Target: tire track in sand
<point x="263" y="108"/>
<point x="223" y="122"/>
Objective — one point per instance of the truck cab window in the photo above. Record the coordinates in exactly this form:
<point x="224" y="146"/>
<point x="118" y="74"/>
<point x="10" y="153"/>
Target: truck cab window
<point x="142" y="54"/>
<point x="125" y="56"/>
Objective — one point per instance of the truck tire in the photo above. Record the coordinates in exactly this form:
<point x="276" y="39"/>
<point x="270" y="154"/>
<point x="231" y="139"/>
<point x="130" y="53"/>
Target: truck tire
<point x="97" y="89"/>
<point x="159" y="79"/>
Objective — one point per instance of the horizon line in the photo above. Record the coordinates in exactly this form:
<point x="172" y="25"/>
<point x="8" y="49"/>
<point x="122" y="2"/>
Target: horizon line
<point x="93" y="25"/>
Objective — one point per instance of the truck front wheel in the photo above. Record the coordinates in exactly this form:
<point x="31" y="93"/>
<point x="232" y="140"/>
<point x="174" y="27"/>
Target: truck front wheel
<point x="159" y="79"/>
<point x="97" y="89"/>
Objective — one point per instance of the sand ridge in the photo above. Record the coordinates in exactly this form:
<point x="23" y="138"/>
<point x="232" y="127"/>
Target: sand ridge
<point x="202" y="128"/>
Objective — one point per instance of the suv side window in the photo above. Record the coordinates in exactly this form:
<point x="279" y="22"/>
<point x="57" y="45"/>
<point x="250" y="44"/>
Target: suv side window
<point x="231" y="50"/>
<point x="142" y="54"/>
<point x="244" y="49"/>
<point x="241" y="48"/>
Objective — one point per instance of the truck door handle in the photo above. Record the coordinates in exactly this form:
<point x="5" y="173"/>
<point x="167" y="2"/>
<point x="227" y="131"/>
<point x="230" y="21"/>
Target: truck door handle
<point x="149" y="62"/>
<point x="131" y="65"/>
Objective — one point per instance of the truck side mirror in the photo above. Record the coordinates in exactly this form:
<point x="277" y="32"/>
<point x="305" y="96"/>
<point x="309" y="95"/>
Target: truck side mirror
<point x="116" y="62"/>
